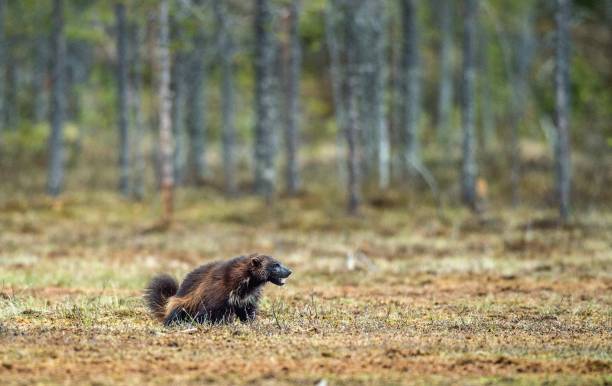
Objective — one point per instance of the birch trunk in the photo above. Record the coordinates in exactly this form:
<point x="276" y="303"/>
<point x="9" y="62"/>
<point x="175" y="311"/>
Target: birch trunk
<point x="38" y="80"/>
<point x="196" y="107"/>
<point x="469" y="167"/>
<point x="352" y="129"/>
<point x="177" y="87"/>
<point x="445" y="87"/>
<point x="137" y="115"/>
<point x="122" y="100"/>
<point x="562" y="98"/>
<point x="292" y="99"/>
<point x="2" y="66"/>
<point x="524" y="53"/>
<point x="228" y="129"/>
<point x="11" y="111"/>
<point x="411" y="72"/>
<point x="165" y="111"/>
<point x="484" y="81"/>
<point x="58" y="103"/>
<point x="265" y="174"/>
<point x="340" y="106"/>
<point x="381" y="127"/>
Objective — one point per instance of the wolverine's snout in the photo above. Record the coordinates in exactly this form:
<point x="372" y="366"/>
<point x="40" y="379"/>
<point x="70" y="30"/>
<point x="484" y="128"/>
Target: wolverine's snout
<point x="279" y="275"/>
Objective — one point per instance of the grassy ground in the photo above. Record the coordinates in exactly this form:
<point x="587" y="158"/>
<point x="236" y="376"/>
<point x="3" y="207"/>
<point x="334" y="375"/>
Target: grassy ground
<point x="439" y="300"/>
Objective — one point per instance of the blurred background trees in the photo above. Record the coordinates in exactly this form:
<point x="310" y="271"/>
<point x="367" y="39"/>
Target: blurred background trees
<point x="375" y="100"/>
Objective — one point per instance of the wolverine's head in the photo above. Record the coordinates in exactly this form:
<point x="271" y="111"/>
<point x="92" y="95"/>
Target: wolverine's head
<point x="266" y="268"/>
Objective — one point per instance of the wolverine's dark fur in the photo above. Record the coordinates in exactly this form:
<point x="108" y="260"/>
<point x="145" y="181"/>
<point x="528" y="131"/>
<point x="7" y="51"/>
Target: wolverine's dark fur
<point x="160" y="289"/>
<point x="215" y="292"/>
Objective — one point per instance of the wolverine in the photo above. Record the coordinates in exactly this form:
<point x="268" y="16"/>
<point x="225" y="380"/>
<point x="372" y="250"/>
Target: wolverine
<point x="216" y="292"/>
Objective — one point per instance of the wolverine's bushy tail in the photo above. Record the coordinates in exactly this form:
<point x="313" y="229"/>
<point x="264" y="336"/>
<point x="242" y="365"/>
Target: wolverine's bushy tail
<point x="157" y="293"/>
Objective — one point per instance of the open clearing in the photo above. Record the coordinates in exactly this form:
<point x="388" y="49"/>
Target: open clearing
<point x="447" y="300"/>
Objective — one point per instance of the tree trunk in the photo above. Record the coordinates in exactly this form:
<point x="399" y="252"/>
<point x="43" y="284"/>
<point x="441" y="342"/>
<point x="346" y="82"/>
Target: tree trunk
<point x="484" y="80"/>
<point x="38" y="80"/>
<point x="78" y="58"/>
<point x="2" y="66"/>
<point x="165" y="111"/>
<point x="292" y="98"/>
<point x="411" y="72"/>
<point x="196" y="107"/>
<point x="228" y="130"/>
<point x="122" y="100"/>
<point x="265" y="174"/>
<point x="178" y="85"/>
<point x="350" y="86"/>
<point x="562" y="79"/>
<point x="11" y="109"/>
<point x="397" y="96"/>
<point x="137" y="114"/>
<point x="58" y="103"/>
<point x="362" y="12"/>
<point x="372" y="69"/>
<point x="445" y="87"/>
<point x="524" y="53"/>
<point x="379" y="82"/>
<point x="608" y="11"/>
<point x="469" y="168"/>
<point x="340" y="105"/>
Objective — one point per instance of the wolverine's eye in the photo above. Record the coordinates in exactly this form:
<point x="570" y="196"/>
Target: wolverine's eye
<point x="276" y="265"/>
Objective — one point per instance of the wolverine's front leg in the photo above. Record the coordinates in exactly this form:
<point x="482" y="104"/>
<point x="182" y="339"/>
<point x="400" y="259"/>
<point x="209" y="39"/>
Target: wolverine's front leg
<point x="246" y="313"/>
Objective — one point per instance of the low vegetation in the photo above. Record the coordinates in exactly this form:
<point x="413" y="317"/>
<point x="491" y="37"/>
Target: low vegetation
<point x="384" y="298"/>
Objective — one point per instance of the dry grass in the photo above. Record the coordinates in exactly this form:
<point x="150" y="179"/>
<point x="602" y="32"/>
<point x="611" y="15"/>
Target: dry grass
<point x="450" y="300"/>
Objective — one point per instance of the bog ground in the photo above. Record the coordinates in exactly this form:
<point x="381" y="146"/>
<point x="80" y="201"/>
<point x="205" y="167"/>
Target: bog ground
<point x="502" y="300"/>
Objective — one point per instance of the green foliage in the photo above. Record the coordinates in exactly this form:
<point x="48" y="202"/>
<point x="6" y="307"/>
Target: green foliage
<point x="31" y="138"/>
<point x="312" y="30"/>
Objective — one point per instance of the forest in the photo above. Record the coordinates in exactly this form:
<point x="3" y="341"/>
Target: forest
<point x="435" y="173"/>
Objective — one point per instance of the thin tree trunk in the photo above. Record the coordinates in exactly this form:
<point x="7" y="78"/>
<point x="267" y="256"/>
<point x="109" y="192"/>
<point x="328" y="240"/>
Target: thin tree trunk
<point x="165" y="111"/>
<point x="412" y="85"/>
<point x="378" y="22"/>
<point x="38" y="80"/>
<point x="292" y="98"/>
<point x="364" y="90"/>
<point x="265" y="174"/>
<point x="608" y="17"/>
<point x="277" y="86"/>
<point x="2" y="66"/>
<point x="352" y="129"/>
<point x="608" y="12"/>
<point x="137" y="114"/>
<point x="562" y="97"/>
<point x="372" y="69"/>
<point x="397" y="96"/>
<point x="76" y="70"/>
<point x="228" y="130"/>
<point x="469" y="169"/>
<point x="178" y="85"/>
<point x="445" y="87"/>
<point x="340" y="105"/>
<point x="196" y="107"/>
<point x="58" y="103"/>
<point x="11" y="108"/>
<point x="122" y="100"/>
<point x="524" y="52"/>
<point x="487" y="115"/>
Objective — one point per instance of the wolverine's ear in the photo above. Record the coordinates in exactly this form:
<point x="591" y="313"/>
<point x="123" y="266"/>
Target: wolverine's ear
<point x="256" y="260"/>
